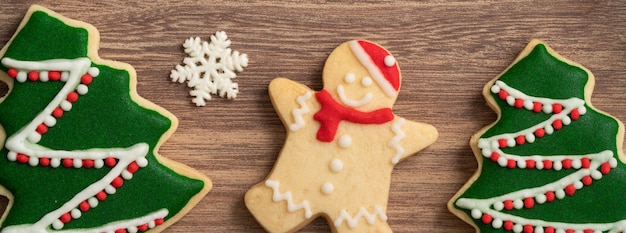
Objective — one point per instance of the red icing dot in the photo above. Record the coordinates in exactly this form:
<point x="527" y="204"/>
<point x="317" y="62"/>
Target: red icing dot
<point x="508" y="204"/>
<point x="587" y="180"/>
<point x="557" y="108"/>
<point x="42" y="128"/>
<point x="567" y="163"/>
<point x="605" y="168"/>
<point x="529" y="202"/>
<point x="570" y="190"/>
<point x="57" y="112"/>
<point x="537" y="107"/>
<point x="22" y="158"/>
<point x="67" y="162"/>
<point x="487" y="218"/>
<point x="132" y="167"/>
<point x="159" y="221"/>
<point x="528" y="228"/>
<point x="122" y="230"/>
<point x="519" y="103"/>
<point x="86" y="79"/>
<point x="110" y="162"/>
<point x="530" y="163"/>
<point x="520" y="140"/>
<point x="575" y="114"/>
<point x="84" y="206"/>
<point x="502" y="94"/>
<point x="540" y="132"/>
<point x="585" y="162"/>
<point x="12" y="72"/>
<point x="588" y="231"/>
<point x="101" y="196"/>
<point x="569" y="231"/>
<point x="495" y="156"/>
<point x="33" y="76"/>
<point x="72" y="97"/>
<point x="557" y="124"/>
<point x="547" y="164"/>
<point x="54" y="75"/>
<point x="143" y="227"/>
<point x="502" y="143"/>
<point x="88" y="163"/>
<point x="117" y="182"/>
<point x="65" y="218"/>
<point x="43" y="161"/>
<point x="550" y="196"/>
<point x="511" y="163"/>
<point x="548" y="230"/>
<point x="508" y="225"/>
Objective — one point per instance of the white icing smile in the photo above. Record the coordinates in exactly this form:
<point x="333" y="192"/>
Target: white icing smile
<point x="350" y="102"/>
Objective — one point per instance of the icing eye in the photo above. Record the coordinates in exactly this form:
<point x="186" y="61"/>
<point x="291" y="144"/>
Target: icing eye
<point x="349" y="78"/>
<point x="390" y="61"/>
<point x="366" y="81"/>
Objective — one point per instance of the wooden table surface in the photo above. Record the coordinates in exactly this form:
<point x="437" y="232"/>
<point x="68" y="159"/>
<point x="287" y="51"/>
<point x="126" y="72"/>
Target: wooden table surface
<point x="447" y="51"/>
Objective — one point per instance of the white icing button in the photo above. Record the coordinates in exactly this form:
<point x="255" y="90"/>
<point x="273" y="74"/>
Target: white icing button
<point x="142" y="162"/>
<point x="75" y="213"/>
<point x="43" y="76"/>
<point x="390" y="61"/>
<point x="476" y="214"/>
<point x="345" y="141"/>
<point x="349" y="78"/>
<point x="64" y="76"/>
<point x="93" y="71"/>
<point x="21" y="76"/>
<point x="82" y="89"/>
<point x="366" y="81"/>
<point x="57" y="224"/>
<point x="336" y="165"/>
<point x="328" y="188"/>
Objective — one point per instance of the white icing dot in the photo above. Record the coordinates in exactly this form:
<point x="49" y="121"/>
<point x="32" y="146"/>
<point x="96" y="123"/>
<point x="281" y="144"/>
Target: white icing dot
<point x="12" y="156"/>
<point x="127" y="175"/>
<point x="142" y="161"/>
<point x="34" y="137"/>
<point x="528" y="105"/>
<point x="21" y="76"/>
<point x="578" y="184"/>
<point x="50" y="121"/>
<point x="43" y="76"/>
<point x="64" y="76"/>
<point x="93" y="71"/>
<point x="33" y="161"/>
<point x="82" y="89"/>
<point x="98" y="163"/>
<point x="613" y="162"/>
<point x="93" y="202"/>
<point x="151" y="224"/>
<point x="560" y="194"/>
<point x="576" y="163"/>
<point x="582" y="110"/>
<point x="66" y="105"/>
<point x="476" y="214"/>
<point x="538" y="229"/>
<point x="530" y="138"/>
<point x="549" y="130"/>
<point x="502" y="161"/>
<point x="487" y="153"/>
<point x="78" y="163"/>
<point x="510" y="142"/>
<point x="521" y="163"/>
<point x="390" y="61"/>
<point x="483" y="143"/>
<point x="328" y="188"/>
<point x="596" y="175"/>
<point x="336" y="165"/>
<point x="538" y="165"/>
<point x="547" y="108"/>
<point x="75" y="213"/>
<point x="495" y="89"/>
<point x="518" y="228"/>
<point x="518" y="204"/>
<point x="541" y="198"/>
<point x="349" y="78"/>
<point x="345" y="141"/>
<point x="57" y="224"/>
<point x="566" y="120"/>
<point x="498" y="206"/>
<point x="496" y="223"/>
<point x="557" y="165"/>
<point x="132" y="229"/>
<point x="366" y="81"/>
<point x="510" y="100"/>
<point x="55" y="162"/>
<point x="109" y="189"/>
<point x="495" y="144"/>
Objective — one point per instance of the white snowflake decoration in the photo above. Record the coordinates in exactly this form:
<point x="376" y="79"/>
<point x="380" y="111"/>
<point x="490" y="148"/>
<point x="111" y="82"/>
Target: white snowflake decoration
<point x="210" y="68"/>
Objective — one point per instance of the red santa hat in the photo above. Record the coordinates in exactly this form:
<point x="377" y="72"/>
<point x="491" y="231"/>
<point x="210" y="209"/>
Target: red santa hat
<point x="380" y="64"/>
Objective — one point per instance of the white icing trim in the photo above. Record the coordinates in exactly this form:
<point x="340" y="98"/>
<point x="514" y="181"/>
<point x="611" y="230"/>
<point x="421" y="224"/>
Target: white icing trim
<point x="377" y="75"/>
<point x="298" y="112"/>
<point x="394" y="143"/>
<point x="350" y="102"/>
<point x="286" y="196"/>
<point x="369" y="217"/>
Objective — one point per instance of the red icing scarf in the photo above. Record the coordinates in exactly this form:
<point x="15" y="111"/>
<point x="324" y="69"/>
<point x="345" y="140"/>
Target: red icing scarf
<point x="333" y="112"/>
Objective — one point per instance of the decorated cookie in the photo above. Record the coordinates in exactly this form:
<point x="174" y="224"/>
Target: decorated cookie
<point x="551" y="162"/>
<point x="79" y="146"/>
<point x="342" y="144"/>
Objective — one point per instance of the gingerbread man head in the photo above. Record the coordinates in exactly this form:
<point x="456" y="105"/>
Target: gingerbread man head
<point x="362" y="75"/>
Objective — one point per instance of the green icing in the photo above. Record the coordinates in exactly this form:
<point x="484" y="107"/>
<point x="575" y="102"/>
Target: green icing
<point x="543" y="75"/>
<point x="105" y="117"/>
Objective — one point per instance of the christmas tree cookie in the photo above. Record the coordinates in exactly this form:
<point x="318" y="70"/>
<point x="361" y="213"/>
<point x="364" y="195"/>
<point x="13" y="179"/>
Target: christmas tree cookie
<point x="78" y="145"/>
<point x="551" y="163"/>
<point x="342" y="144"/>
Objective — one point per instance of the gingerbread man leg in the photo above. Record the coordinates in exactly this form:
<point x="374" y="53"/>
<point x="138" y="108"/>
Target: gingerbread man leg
<point x="276" y="211"/>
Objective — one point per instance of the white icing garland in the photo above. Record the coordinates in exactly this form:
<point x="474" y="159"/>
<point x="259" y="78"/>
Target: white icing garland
<point x="394" y="143"/>
<point x="286" y="196"/>
<point x="369" y="217"/>
<point x="591" y="167"/>
<point x="298" y="112"/>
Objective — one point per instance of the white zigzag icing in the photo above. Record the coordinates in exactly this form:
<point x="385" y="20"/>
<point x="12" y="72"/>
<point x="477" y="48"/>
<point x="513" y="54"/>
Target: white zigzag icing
<point x="394" y="143"/>
<point x="298" y="112"/>
<point x="286" y="196"/>
<point x="353" y="221"/>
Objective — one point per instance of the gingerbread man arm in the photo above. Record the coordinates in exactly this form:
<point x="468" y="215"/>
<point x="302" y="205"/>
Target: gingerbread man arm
<point x="417" y="137"/>
<point x="288" y="96"/>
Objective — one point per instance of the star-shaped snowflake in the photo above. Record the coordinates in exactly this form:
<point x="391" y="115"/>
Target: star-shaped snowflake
<point x="210" y="68"/>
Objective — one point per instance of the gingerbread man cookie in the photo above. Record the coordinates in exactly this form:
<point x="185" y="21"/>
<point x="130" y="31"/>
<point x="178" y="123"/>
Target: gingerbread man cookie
<point x="551" y="162"/>
<point x="342" y="144"/>
<point x="78" y="146"/>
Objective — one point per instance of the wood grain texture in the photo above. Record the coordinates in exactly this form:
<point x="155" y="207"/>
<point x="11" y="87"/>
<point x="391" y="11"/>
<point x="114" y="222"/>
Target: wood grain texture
<point x="447" y="51"/>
